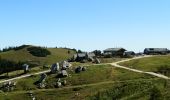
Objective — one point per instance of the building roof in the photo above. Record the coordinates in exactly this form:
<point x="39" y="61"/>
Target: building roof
<point x="81" y="54"/>
<point x="129" y="52"/>
<point x="156" y="49"/>
<point x="113" y="49"/>
<point x="91" y="54"/>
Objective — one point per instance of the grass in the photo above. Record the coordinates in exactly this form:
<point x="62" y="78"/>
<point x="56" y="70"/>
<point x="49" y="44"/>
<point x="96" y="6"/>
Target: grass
<point x="135" y="90"/>
<point x="21" y="72"/>
<point x="99" y="82"/>
<point x="97" y="78"/>
<point x="57" y="54"/>
<point x="151" y="64"/>
<point x="110" y="60"/>
<point x="94" y="74"/>
<point x="125" y="90"/>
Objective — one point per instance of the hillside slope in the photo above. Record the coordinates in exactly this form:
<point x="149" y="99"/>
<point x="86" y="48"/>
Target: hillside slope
<point x="57" y="54"/>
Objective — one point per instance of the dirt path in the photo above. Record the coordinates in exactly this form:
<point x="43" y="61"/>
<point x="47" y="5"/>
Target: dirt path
<point x="116" y="64"/>
<point x="24" y="76"/>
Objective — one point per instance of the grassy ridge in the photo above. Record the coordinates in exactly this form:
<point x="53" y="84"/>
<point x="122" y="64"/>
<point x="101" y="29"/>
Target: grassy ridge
<point x="57" y="54"/>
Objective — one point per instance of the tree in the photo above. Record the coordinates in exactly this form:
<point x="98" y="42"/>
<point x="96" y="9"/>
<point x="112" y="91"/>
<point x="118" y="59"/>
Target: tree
<point x="79" y="51"/>
<point x="97" y="52"/>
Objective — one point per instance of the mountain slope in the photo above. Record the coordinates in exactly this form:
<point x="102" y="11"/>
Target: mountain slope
<point x="57" y="54"/>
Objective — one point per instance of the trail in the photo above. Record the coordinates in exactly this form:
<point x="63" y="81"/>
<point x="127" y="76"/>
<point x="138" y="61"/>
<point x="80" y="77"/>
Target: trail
<point x="116" y="64"/>
<point x="24" y="76"/>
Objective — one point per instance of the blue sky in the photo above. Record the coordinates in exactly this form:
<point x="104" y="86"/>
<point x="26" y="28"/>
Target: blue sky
<point x="85" y="24"/>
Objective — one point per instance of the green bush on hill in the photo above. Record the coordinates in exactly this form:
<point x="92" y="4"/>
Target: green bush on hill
<point x="38" y="51"/>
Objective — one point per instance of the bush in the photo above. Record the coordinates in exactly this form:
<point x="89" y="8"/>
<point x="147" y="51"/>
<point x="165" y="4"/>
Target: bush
<point x="38" y="51"/>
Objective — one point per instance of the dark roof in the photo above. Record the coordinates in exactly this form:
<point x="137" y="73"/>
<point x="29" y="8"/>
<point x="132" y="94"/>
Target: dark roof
<point x="156" y="49"/>
<point x="113" y="49"/>
<point x="129" y="53"/>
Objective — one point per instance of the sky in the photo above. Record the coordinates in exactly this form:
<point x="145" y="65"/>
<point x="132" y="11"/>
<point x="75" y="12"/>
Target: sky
<point x="85" y="24"/>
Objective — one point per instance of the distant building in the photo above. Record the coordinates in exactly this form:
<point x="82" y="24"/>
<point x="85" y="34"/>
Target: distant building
<point x="129" y="53"/>
<point x="111" y="52"/>
<point x="83" y="56"/>
<point x="149" y="51"/>
<point x="79" y="57"/>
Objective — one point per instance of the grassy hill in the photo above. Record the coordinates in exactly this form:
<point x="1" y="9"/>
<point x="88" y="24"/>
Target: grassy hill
<point x="158" y="64"/>
<point x="98" y="79"/>
<point x="57" y="54"/>
<point x="98" y="82"/>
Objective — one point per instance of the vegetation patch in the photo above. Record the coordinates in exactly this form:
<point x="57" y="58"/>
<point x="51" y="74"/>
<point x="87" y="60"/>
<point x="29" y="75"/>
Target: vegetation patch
<point x="14" y="48"/>
<point x="159" y="64"/>
<point x="145" y="90"/>
<point x="7" y="66"/>
<point x="38" y="51"/>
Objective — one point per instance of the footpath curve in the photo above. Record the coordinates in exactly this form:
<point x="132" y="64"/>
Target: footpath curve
<point x="116" y="64"/>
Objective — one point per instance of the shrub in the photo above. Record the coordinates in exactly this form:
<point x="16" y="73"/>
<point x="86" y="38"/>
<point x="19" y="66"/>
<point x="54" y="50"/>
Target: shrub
<point x="38" y="51"/>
